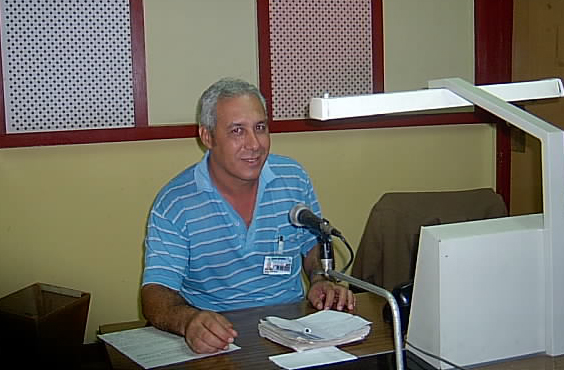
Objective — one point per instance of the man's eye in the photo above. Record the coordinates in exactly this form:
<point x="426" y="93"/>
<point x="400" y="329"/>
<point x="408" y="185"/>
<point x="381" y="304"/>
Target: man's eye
<point x="261" y="127"/>
<point x="237" y="130"/>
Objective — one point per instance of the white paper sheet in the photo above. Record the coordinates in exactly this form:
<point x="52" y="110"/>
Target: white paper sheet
<point x="312" y="357"/>
<point x="151" y="347"/>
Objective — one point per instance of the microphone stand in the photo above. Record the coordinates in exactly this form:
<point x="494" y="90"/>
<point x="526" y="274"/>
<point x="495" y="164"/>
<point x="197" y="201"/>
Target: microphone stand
<point x="326" y="251"/>
<point x="329" y="272"/>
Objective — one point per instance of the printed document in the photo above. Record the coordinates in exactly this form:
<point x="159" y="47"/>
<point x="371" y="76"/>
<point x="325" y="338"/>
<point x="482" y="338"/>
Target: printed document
<point x="151" y="347"/>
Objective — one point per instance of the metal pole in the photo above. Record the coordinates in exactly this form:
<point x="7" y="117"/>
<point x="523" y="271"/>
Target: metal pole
<point x="398" y="343"/>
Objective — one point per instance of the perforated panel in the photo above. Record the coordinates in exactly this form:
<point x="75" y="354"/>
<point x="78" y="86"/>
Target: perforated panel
<point x="317" y="47"/>
<point x="66" y="65"/>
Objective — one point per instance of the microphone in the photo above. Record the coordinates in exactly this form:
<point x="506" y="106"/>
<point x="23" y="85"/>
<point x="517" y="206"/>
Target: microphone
<point x="302" y="216"/>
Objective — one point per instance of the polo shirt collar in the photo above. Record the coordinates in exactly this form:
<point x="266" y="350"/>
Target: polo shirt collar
<point x="203" y="180"/>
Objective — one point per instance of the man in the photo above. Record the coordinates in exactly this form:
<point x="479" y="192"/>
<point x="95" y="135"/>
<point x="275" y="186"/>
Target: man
<point x="218" y="235"/>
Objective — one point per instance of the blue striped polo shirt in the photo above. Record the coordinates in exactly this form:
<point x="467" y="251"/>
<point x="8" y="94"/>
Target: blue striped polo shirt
<point x="198" y="245"/>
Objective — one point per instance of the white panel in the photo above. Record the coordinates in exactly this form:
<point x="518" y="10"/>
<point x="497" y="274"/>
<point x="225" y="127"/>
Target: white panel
<point x="424" y="321"/>
<point x="487" y="302"/>
<point x="418" y="100"/>
<point x="66" y="65"/>
<point x="552" y="141"/>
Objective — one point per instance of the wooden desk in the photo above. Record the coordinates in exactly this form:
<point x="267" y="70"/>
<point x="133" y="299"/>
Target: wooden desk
<point x="255" y="350"/>
<point x="374" y="352"/>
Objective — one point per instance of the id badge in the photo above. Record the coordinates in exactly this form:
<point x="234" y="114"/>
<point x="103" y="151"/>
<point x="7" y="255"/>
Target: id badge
<point x="277" y="265"/>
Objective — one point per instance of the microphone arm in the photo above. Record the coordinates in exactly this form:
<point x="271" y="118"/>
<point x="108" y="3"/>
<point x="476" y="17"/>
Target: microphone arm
<point x="398" y="342"/>
<point x="329" y="272"/>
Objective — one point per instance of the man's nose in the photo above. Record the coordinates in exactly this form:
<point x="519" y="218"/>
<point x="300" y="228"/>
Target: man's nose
<point x="252" y="140"/>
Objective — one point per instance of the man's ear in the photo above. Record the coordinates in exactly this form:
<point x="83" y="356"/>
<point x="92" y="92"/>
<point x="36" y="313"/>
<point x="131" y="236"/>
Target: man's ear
<point x="206" y="136"/>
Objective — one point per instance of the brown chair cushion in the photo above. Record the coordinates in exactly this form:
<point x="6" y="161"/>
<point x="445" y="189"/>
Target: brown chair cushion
<point x="388" y="248"/>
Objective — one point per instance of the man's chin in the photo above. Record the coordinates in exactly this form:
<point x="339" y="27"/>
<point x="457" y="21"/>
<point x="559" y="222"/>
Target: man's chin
<point x="250" y="175"/>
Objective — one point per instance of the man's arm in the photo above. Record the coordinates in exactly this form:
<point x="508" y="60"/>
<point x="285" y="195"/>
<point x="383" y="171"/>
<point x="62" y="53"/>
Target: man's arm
<point x="324" y="294"/>
<point x="204" y="331"/>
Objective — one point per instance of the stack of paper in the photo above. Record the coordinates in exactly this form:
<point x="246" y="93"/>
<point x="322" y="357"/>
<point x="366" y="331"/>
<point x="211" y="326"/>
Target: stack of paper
<point x="321" y="329"/>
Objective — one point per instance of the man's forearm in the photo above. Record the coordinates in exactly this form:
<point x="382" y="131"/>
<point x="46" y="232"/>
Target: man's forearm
<point x="312" y="266"/>
<point x="166" y="309"/>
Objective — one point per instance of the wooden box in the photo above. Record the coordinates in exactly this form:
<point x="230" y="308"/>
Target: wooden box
<point x="44" y="324"/>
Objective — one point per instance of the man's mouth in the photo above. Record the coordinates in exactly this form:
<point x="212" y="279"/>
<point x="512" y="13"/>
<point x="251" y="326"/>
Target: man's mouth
<point x="251" y="160"/>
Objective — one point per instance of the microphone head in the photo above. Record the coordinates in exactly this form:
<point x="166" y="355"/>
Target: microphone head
<point x="294" y="213"/>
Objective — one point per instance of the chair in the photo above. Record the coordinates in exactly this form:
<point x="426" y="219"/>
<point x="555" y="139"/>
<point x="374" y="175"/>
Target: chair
<point x="387" y="251"/>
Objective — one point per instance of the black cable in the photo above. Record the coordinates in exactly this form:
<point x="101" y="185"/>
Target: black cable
<point x="351" y="253"/>
<point x="436" y="357"/>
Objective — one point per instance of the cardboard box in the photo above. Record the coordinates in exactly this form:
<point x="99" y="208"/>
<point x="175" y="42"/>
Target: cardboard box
<point x="44" y="324"/>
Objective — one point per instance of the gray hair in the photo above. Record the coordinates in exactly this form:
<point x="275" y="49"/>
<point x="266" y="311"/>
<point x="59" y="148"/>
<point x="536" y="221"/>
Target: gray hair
<point x="225" y="88"/>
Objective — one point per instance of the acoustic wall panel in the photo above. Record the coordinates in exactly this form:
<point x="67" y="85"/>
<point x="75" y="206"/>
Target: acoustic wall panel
<point x="318" y="47"/>
<point x="67" y="65"/>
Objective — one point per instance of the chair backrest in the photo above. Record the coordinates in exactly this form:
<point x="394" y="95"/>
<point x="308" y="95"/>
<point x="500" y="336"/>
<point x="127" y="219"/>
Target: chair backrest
<point x="388" y="248"/>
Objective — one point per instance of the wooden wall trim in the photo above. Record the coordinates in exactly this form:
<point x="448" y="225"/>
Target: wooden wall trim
<point x="493" y="58"/>
<point x="138" y="63"/>
<point x="263" y="25"/>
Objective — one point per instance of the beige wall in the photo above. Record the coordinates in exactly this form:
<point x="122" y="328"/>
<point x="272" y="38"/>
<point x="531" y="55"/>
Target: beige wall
<point x="75" y="215"/>
<point x="189" y="45"/>
<point x="429" y="39"/>
<point x="538" y="52"/>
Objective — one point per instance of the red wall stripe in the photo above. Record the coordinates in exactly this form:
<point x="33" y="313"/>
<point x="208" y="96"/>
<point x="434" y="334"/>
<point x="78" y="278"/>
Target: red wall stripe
<point x="138" y="60"/>
<point x="377" y="46"/>
<point x="263" y="22"/>
<point x="493" y="48"/>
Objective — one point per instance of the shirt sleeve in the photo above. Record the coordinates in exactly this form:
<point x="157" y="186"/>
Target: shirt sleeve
<point x="166" y="253"/>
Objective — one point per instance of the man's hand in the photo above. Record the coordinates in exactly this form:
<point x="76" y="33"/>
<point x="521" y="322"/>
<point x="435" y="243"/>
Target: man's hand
<point x="324" y="294"/>
<point x="203" y="331"/>
<point x="209" y="332"/>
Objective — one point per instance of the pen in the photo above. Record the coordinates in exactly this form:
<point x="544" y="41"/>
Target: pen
<point x="280" y="244"/>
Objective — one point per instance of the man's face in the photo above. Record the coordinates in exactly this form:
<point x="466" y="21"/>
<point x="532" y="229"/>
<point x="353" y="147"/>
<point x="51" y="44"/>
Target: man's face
<point x="240" y="142"/>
